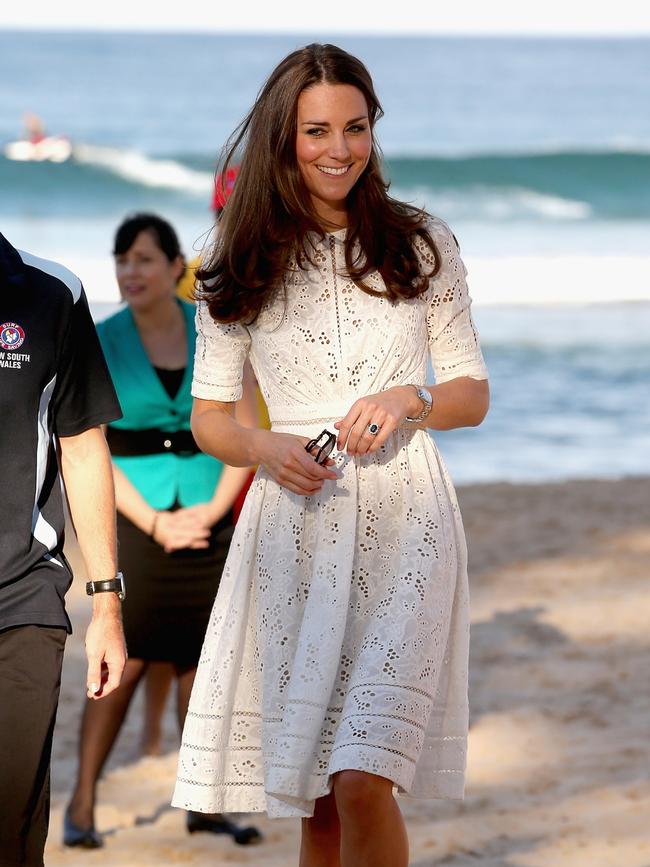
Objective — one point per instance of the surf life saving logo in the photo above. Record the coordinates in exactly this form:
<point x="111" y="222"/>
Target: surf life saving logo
<point x="12" y="335"/>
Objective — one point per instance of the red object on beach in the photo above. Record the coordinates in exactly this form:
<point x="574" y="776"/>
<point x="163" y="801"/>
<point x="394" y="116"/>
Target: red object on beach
<point x="224" y="187"/>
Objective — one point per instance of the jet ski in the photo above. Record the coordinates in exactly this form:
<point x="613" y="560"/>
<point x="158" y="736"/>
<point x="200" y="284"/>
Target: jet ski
<point x="50" y="148"/>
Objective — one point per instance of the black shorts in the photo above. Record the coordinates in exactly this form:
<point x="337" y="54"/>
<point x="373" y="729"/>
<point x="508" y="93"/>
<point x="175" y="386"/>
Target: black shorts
<point x="30" y="677"/>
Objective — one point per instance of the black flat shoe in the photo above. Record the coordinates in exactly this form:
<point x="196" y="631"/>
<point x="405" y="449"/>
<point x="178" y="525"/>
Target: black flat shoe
<point x="242" y="836"/>
<point x="83" y="838"/>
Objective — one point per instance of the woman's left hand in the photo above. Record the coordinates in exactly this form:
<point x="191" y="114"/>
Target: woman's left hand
<point x="387" y="409"/>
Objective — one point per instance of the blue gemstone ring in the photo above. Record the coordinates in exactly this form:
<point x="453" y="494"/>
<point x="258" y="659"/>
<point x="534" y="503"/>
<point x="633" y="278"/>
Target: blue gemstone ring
<point x="373" y="429"/>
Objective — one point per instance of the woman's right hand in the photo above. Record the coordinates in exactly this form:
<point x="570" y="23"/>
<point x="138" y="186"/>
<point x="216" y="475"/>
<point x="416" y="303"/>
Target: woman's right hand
<point x="284" y="457"/>
<point x="174" y="531"/>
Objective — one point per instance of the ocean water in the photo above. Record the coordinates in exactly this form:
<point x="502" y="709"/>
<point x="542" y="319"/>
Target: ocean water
<point x="537" y="152"/>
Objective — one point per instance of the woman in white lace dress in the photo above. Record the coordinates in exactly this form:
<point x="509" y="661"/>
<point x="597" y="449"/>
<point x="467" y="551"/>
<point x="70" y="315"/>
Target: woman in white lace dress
<point x="334" y="669"/>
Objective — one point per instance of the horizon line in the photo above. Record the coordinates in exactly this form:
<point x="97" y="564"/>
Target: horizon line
<point x="364" y="34"/>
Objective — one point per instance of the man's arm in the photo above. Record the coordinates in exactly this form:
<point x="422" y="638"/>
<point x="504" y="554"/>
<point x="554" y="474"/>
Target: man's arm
<point x="88" y="479"/>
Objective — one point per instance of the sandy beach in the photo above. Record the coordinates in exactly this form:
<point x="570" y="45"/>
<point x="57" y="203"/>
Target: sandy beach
<point x="559" y="757"/>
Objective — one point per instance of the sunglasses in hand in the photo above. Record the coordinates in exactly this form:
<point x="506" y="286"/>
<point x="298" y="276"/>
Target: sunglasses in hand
<point x="321" y="447"/>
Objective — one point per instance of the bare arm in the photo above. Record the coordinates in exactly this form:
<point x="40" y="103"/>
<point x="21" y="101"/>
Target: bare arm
<point x="224" y="348"/>
<point x="218" y="432"/>
<point x="232" y="478"/>
<point x="131" y="503"/>
<point x="461" y="402"/>
<point x="86" y="470"/>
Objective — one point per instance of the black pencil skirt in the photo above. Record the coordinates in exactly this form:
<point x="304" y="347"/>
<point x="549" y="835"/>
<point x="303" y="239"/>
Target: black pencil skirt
<point x="169" y="596"/>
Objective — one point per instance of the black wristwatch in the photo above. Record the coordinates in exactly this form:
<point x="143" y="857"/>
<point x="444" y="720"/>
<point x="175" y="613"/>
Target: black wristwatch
<point x="115" y="585"/>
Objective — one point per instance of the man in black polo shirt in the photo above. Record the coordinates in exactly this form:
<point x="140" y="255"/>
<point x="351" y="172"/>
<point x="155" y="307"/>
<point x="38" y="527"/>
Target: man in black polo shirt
<point x="55" y="392"/>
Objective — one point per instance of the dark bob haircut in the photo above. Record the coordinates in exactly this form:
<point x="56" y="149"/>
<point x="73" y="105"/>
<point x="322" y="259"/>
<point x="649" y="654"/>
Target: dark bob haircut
<point x="162" y="232"/>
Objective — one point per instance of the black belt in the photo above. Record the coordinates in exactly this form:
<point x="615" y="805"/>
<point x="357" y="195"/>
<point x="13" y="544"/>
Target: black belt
<point x="133" y="443"/>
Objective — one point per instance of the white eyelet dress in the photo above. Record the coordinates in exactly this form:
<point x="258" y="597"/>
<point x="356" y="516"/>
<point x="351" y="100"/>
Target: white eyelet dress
<point x="339" y="635"/>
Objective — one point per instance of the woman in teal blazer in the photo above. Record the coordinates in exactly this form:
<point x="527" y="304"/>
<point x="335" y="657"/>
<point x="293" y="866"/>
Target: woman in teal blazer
<point x="174" y="503"/>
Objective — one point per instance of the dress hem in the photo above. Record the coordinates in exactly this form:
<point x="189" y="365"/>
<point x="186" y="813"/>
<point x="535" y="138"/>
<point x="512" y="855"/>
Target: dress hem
<point x="217" y="799"/>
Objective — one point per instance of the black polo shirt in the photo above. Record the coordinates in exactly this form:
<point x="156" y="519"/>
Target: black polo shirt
<point x="53" y="381"/>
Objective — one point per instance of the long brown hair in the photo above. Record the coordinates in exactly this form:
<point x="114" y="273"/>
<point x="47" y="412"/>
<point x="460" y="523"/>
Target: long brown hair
<point x="270" y="212"/>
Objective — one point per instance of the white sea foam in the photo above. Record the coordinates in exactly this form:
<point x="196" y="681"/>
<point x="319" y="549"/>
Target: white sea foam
<point x="563" y="279"/>
<point x="629" y="145"/>
<point x="395" y="148"/>
<point x="555" y="207"/>
<point x="508" y="280"/>
<point x="135" y="166"/>
<point x="489" y="203"/>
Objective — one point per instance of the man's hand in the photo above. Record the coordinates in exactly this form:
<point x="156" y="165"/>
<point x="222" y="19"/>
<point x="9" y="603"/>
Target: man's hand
<point x="105" y="649"/>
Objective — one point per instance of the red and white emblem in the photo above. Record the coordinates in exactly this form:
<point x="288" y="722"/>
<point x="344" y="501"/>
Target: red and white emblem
<point x="11" y="335"/>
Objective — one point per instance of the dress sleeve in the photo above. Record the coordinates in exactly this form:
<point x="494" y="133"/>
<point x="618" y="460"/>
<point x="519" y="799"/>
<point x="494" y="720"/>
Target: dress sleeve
<point x="221" y="351"/>
<point x="453" y="340"/>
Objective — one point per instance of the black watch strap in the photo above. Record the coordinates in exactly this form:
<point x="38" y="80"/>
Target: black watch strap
<point x="114" y="585"/>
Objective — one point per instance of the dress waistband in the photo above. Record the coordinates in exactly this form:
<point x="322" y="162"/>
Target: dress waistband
<point x="308" y="416"/>
<point x="136" y="443"/>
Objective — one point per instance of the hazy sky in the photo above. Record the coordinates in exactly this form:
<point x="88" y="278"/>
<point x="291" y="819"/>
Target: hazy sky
<point x="628" y="17"/>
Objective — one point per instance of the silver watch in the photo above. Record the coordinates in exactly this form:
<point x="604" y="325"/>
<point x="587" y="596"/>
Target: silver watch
<point x="427" y="402"/>
<point x="115" y="585"/>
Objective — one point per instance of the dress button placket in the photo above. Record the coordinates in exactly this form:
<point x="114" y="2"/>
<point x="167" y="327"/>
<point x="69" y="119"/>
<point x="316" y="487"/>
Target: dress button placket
<point x="335" y="289"/>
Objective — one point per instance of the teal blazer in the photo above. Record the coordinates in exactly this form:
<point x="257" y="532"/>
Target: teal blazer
<point x="162" y="479"/>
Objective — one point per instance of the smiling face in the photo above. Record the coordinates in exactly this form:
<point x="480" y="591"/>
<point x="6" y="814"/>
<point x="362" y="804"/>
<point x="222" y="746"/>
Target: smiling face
<point x="144" y="273"/>
<point x="333" y="146"/>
